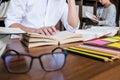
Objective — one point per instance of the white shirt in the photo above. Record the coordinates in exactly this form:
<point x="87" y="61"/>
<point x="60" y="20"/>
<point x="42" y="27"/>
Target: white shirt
<point x="108" y="16"/>
<point x="38" y="13"/>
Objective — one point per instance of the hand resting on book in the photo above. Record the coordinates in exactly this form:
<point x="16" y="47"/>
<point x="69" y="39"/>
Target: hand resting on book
<point x="95" y="20"/>
<point x="51" y="30"/>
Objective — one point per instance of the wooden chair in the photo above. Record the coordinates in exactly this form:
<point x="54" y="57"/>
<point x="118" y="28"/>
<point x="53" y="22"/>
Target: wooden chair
<point x="59" y="26"/>
<point x="80" y="3"/>
<point x="117" y="4"/>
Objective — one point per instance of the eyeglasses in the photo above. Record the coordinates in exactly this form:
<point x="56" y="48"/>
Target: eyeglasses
<point x="16" y="62"/>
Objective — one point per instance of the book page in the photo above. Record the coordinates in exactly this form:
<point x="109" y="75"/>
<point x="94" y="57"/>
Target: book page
<point x="64" y="35"/>
<point x="4" y="30"/>
<point x="106" y="29"/>
<point x="91" y="16"/>
<point x="58" y="36"/>
<point x="89" y="9"/>
<point x="34" y="39"/>
<point x="96" y="32"/>
<point x="88" y="35"/>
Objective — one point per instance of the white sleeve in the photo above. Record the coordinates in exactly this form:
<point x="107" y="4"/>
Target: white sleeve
<point x="110" y="18"/>
<point x="65" y="21"/>
<point x="15" y="12"/>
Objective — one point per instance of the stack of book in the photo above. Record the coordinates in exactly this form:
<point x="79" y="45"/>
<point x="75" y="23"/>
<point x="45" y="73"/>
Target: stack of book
<point x="3" y="43"/>
<point x="34" y="40"/>
<point x="5" y="36"/>
<point x="105" y="49"/>
<point x="3" y="8"/>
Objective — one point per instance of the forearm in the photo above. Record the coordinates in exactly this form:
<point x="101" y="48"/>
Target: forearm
<point x="17" y="25"/>
<point x="105" y="23"/>
<point x="109" y="21"/>
<point x="73" y="18"/>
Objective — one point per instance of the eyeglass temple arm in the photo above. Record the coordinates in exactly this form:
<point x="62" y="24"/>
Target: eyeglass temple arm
<point x="11" y="50"/>
<point x="63" y="50"/>
<point x="59" y="44"/>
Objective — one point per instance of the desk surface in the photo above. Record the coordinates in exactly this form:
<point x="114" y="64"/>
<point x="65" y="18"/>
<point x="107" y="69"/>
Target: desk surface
<point x="76" y="68"/>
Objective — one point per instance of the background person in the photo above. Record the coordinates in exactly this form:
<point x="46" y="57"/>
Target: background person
<point x="108" y="16"/>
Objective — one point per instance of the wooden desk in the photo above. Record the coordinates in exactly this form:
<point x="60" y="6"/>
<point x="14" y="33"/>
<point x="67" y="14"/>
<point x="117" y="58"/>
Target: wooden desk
<point x="76" y="67"/>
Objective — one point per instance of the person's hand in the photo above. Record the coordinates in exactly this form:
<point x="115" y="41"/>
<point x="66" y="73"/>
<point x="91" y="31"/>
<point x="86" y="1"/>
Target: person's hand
<point x="47" y="30"/>
<point x="95" y="20"/>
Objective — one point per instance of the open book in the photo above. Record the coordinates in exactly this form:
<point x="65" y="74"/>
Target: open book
<point x="90" y="16"/>
<point x="34" y="39"/>
<point x="97" y="32"/>
<point x="86" y="8"/>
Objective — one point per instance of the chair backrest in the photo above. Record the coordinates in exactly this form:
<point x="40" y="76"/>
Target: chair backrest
<point x="79" y="3"/>
<point x="117" y="4"/>
<point x="59" y="26"/>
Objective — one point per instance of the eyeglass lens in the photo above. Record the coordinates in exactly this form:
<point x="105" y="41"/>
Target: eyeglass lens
<point x="17" y="64"/>
<point x="53" y="61"/>
<point x="21" y="63"/>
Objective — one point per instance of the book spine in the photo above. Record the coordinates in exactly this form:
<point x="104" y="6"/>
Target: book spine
<point x="25" y="43"/>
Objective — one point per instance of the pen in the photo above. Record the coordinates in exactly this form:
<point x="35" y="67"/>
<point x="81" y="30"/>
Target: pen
<point x="111" y="56"/>
<point x="98" y="57"/>
<point x="100" y="49"/>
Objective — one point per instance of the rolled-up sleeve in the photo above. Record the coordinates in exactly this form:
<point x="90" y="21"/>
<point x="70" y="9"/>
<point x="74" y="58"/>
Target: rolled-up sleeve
<point x="65" y="21"/>
<point x="15" y="12"/>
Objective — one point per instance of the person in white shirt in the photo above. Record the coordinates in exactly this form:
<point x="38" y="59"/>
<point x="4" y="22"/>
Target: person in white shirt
<point x="41" y="16"/>
<point x="108" y="17"/>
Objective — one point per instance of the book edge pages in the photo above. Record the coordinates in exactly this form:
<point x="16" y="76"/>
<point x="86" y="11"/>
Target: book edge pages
<point x="58" y="37"/>
<point x="38" y="44"/>
<point x="3" y="43"/>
